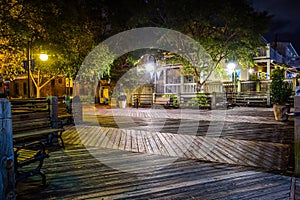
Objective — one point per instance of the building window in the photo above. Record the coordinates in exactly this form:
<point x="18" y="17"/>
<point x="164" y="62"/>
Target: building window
<point x="25" y="88"/>
<point x="17" y="87"/>
<point x="60" y="81"/>
<point x="188" y="79"/>
<point x="173" y="76"/>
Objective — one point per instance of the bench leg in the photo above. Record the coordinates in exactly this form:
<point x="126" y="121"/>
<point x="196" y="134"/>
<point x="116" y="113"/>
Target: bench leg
<point x="70" y="120"/>
<point x="59" y="135"/>
<point x="37" y="171"/>
<point x="39" y="156"/>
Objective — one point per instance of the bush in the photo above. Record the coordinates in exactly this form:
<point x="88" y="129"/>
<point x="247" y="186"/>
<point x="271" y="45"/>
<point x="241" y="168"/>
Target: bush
<point x="279" y="89"/>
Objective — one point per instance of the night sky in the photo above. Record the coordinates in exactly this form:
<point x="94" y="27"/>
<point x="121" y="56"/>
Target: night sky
<point x="286" y="20"/>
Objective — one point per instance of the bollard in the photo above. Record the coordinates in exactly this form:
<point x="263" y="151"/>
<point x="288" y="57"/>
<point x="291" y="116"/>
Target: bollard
<point x="77" y="110"/>
<point x="53" y="106"/>
<point x="7" y="175"/>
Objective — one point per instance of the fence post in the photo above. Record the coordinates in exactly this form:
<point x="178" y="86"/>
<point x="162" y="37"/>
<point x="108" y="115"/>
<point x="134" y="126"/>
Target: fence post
<point x="53" y="106"/>
<point x="7" y="176"/>
<point x="77" y="109"/>
<point x="268" y="99"/>
<point x="213" y="100"/>
<point x="68" y="103"/>
<point x="297" y="135"/>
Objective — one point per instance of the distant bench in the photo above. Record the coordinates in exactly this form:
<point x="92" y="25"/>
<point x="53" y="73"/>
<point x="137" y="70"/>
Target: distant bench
<point x="163" y="101"/>
<point x="166" y="102"/>
<point x="65" y="110"/>
<point x="248" y="100"/>
<point x="32" y="130"/>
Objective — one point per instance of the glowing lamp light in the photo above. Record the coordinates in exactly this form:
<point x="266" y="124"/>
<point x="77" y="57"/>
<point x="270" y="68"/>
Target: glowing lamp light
<point x="150" y="67"/>
<point x="43" y="57"/>
<point x="231" y="66"/>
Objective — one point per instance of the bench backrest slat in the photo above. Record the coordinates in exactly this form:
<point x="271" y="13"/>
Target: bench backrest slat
<point x="30" y="115"/>
<point x="34" y="120"/>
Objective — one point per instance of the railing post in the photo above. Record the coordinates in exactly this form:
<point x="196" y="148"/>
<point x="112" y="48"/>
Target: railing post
<point x="53" y="106"/>
<point x="268" y="99"/>
<point x="213" y="101"/>
<point x="7" y="175"/>
<point x="68" y="103"/>
<point x="77" y="109"/>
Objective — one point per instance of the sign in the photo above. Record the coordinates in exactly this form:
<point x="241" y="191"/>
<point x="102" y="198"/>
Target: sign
<point x="69" y="82"/>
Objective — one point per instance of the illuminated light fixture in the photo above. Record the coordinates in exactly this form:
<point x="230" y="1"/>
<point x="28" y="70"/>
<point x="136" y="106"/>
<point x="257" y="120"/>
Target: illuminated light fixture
<point x="43" y="57"/>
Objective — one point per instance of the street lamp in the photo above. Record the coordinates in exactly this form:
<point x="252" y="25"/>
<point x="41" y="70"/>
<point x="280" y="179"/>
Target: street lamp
<point x="43" y="57"/>
<point x="29" y="64"/>
<point x="151" y="67"/>
<point x="231" y="69"/>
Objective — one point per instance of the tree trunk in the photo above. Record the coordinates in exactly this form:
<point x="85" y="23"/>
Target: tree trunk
<point x="38" y="92"/>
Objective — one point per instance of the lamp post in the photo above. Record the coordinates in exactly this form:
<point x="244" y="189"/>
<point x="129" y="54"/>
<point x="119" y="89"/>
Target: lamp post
<point x="231" y="68"/>
<point x="29" y="64"/>
<point x="151" y="67"/>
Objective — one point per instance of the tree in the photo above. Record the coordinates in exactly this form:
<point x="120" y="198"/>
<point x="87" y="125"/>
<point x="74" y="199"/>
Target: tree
<point x="55" y="27"/>
<point x="24" y="30"/>
<point x="228" y="30"/>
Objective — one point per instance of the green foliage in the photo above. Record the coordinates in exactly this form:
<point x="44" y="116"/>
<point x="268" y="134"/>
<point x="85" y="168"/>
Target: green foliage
<point x="200" y="101"/>
<point x="226" y="29"/>
<point x="70" y="30"/>
<point x="253" y="77"/>
<point x="173" y="97"/>
<point x="279" y="89"/>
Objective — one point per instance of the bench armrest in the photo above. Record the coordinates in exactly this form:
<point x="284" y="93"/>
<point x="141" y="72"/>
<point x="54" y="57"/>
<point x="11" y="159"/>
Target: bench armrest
<point x="58" y="122"/>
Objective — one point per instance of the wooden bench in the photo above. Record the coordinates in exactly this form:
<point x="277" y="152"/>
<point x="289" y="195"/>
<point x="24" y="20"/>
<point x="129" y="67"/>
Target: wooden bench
<point x="65" y="111"/>
<point x="32" y="133"/>
<point x="251" y="101"/>
<point x="163" y="101"/>
<point x="142" y="100"/>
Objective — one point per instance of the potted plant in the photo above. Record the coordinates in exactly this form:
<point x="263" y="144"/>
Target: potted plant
<point x="280" y="92"/>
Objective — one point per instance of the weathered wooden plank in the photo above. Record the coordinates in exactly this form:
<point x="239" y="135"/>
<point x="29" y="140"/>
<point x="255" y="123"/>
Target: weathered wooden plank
<point x="224" y="150"/>
<point x="160" y="145"/>
<point x="7" y="178"/>
<point x="128" y="140"/>
<point x="168" y="144"/>
<point x="122" y="143"/>
<point x="140" y="142"/>
<point x="183" y="144"/>
<point x="109" y="139"/>
<point x="146" y="139"/>
<point x="116" y="142"/>
<point x="88" y="135"/>
<point x="181" y="179"/>
<point x="101" y="136"/>
<point x="134" y="142"/>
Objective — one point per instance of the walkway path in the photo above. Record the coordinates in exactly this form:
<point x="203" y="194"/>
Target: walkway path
<point x="158" y="154"/>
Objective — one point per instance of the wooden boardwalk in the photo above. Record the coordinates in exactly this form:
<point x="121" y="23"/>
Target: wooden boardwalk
<point x="158" y="154"/>
<point x="222" y="150"/>
<point x="75" y="174"/>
